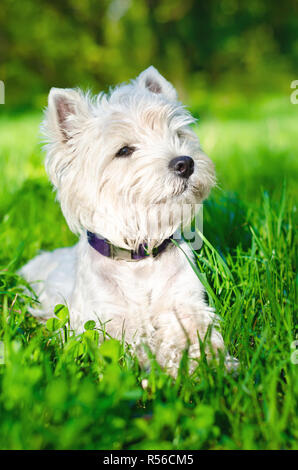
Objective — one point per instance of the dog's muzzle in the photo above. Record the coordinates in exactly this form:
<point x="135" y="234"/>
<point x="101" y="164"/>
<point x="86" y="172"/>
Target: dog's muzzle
<point x="182" y="166"/>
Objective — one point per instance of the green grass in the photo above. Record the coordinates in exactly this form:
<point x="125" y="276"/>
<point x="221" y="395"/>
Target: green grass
<point x="76" y="395"/>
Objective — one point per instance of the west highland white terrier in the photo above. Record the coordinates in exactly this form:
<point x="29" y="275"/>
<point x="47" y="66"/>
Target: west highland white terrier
<point x="123" y="165"/>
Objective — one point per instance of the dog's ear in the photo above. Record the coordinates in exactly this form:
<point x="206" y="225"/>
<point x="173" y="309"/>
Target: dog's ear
<point x="67" y="110"/>
<point x="66" y="115"/>
<point x="153" y="81"/>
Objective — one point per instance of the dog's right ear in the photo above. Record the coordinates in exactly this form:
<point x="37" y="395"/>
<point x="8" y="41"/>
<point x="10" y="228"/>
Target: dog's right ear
<point x="67" y="110"/>
<point x="153" y="81"/>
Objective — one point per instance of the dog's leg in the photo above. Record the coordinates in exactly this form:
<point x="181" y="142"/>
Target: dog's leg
<point x="177" y="330"/>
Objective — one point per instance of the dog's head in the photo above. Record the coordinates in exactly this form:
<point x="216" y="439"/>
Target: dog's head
<point x="126" y="161"/>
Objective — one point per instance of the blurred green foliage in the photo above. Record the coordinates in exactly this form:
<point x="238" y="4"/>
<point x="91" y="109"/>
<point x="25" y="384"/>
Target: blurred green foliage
<point x="236" y="62"/>
<point x="97" y="43"/>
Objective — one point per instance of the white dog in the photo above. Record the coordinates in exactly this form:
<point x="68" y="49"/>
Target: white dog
<point x="123" y="163"/>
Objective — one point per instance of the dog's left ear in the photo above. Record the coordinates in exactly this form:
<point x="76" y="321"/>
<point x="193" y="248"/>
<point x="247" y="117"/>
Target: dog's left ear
<point x="67" y="110"/>
<point x="153" y="81"/>
<point x="67" y="113"/>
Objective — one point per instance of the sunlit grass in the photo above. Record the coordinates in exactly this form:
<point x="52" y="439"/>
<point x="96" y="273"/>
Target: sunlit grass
<point x="74" y="394"/>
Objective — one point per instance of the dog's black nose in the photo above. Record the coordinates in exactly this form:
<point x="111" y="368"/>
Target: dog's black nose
<point x="182" y="166"/>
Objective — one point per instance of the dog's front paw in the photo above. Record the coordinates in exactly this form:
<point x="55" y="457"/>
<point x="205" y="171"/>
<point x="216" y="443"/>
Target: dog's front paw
<point x="231" y="364"/>
<point x="175" y="334"/>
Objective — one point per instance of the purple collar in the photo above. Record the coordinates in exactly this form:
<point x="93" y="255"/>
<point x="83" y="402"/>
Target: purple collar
<point x="105" y="248"/>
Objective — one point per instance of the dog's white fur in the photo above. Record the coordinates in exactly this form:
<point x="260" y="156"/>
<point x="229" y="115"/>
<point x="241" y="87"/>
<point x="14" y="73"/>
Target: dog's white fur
<point x="158" y="300"/>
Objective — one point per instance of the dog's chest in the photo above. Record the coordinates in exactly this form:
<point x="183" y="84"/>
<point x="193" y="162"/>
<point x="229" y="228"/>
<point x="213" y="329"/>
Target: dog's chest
<point x="139" y="286"/>
<point x="126" y="295"/>
<point x="132" y="287"/>
<point x="139" y="294"/>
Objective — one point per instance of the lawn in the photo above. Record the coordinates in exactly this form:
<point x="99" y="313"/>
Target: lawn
<point x="73" y="394"/>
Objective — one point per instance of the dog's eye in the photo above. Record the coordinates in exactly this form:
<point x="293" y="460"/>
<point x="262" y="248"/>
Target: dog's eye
<point x="125" y="151"/>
